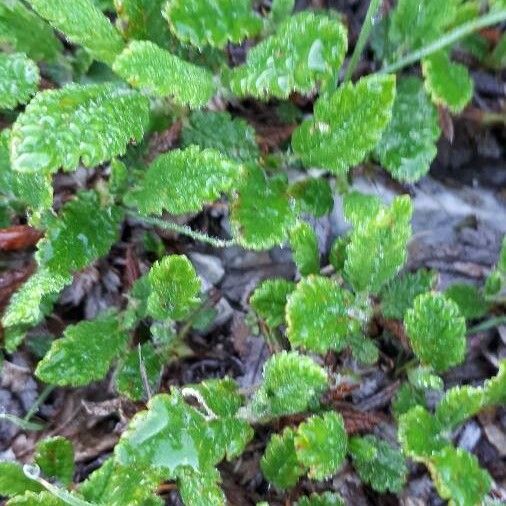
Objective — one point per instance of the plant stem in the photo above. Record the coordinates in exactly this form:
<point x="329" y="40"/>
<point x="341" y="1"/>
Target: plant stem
<point x="446" y="40"/>
<point x="23" y="424"/>
<point x="36" y="405"/>
<point x="487" y="324"/>
<point x="362" y="38"/>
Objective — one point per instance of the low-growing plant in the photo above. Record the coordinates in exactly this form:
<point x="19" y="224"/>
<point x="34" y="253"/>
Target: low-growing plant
<point x="114" y="85"/>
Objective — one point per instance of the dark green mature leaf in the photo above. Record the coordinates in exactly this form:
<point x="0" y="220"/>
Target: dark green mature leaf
<point x="321" y="443"/>
<point x="145" y="65"/>
<point x="459" y="404"/>
<point x="55" y="458"/>
<point x="269" y="300"/>
<point x="221" y="395"/>
<point x="318" y="315"/>
<point x="471" y="302"/>
<point x="313" y="196"/>
<point x="309" y="49"/>
<point x="13" y="480"/>
<point x="182" y="181"/>
<point x="437" y="331"/>
<point x="408" y="145"/>
<point x="83" y="24"/>
<point x="89" y="124"/>
<point x="232" y="137"/>
<point x="325" y="499"/>
<point x="200" y="489"/>
<point x="407" y="397"/>
<point x="378" y="463"/>
<point x="304" y="244"/>
<point x="231" y="435"/>
<point x="279" y="463"/>
<point x="378" y="246"/>
<point x="347" y="125"/>
<point x="19" y="79"/>
<point x="175" y="288"/>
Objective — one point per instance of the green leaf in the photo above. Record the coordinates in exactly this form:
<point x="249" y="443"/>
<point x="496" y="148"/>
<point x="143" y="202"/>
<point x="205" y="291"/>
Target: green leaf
<point x="398" y="295"/>
<point x="39" y="42"/>
<point x="325" y="499"/>
<point x="304" y="244"/>
<point x="232" y="137"/>
<point x="422" y="378"/>
<point x="437" y="331"/>
<point x="359" y="207"/>
<point x="55" y="458"/>
<point x="281" y="9"/>
<point x="13" y="480"/>
<point x="83" y="24"/>
<point x="448" y="83"/>
<point x="321" y="444"/>
<point x="221" y="395"/>
<point x="408" y="145"/>
<point x="212" y="22"/>
<point x="495" y="388"/>
<point x="84" y="353"/>
<point x="378" y="464"/>
<point x="89" y="124"/>
<point x="378" y="246"/>
<point x="347" y="125"/>
<point x="407" y="397"/>
<point x="309" y="49"/>
<point x="319" y="315"/>
<point x="200" y="489"/>
<point x="337" y="255"/>
<point x="471" y="302"/>
<point x="279" y="463"/>
<point x="231" y="435"/>
<point x="146" y="66"/>
<point x="182" y="181"/>
<point x="261" y="213"/>
<point x="83" y="232"/>
<point x="291" y="383"/>
<point x="34" y="499"/>
<point x="363" y="349"/>
<point x="269" y="300"/>
<point x="312" y="195"/>
<point x="175" y="288"/>
<point x="458" y="405"/>
<point x="458" y="477"/>
<point x="19" y="80"/>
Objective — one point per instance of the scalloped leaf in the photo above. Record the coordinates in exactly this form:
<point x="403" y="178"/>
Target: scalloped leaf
<point x="34" y="499"/>
<point x="447" y="82"/>
<point x="84" y="24"/>
<point x="423" y="378"/>
<point x="408" y="145"/>
<point x="309" y="49"/>
<point x="55" y="458"/>
<point x="84" y="353"/>
<point x="231" y="435"/>
<point x="337" y="255"/>
<point x="280" y="10"/>
<point x="321" y="444"/>
<point x="261" y="214"/>
<point x="233" y="137"/>
<point x="279" y="463"/>
<point x="471" y="302"/>
<point x="495" y="388"/>
<point x="147" y="66"/>
<point x="378" y="246"/>
<point x="304" y="244"/>
<point x="359" y="207"/>
<point x="19" y="80"/>
<point x="347" y="125"/>
<point x="318" y="315"/>
<point x="200" y="489"/>
<point x="363" y="349"/>
<point x="436" y="331"/>
<point x="269" y="300"/>
<point x="175" y="288"/>
<point x="221" y="395"/>
<point x="459" y="404"/>
<point x="407" y="397"/>
<point x="325" y="499"/>
<point x="212" y="22"/>
<point x="88" y="124"/>
<point x="292" y="382"/>
<point x="182" y="181"/>
<point x="13" y="480"/>
<point x="312" y="195"/>
<point x="378" y="463"/>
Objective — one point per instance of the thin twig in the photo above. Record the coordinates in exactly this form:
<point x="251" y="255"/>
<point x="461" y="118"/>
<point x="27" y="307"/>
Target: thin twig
<point x="487" y="324"/>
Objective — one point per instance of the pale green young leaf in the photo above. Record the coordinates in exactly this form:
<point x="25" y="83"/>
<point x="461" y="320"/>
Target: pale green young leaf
<point x="14" y="482"/>
<point x="423" y="378"/>
<point x="360" y="207"/>
<point x="471" y="302"/>
<point x="398" y="295"/>
<point x="312" y="195"/>
<point x="378" y="246"/>
<point x="280" y="10"/>
<point x="458" y="405"/>
<point x="459" y="477"/>
<point x="318" y="315"/>
<point x="36" y="499"/>
<point x="378" y="463"/>
<point x="325" y="499"/>
<point x="436" y="331"/>
<point x="200" y="488"/>
<point x="19" y="80"/>
<point x="447" y="82"/>
<point x="291" y="383"/>
<point x="147" y="66"/>
<point x="84" y="353"/>
<point x="269" y="300"/>
<point x="261" y="214"/>
<point x="309" y="48"/>
<point x="90" y="124"/>
<point x="55" y="458"/>
<point x="232" y="137"/>
<point x="346" y="126"/>
<point x="175" y="288"/>
<point x="494" y="389"/>
<point x="304" y="244"/>
<point x="182" y="181"/>
<point x="408" y="145"/>
<point x="321" y="444"/>
<point x="279" y="463"/>
<point x="221" y="395"/>
<point x="39" y="42"/>
<point x="84" y="24"/>
<point x="83" y="231"/>
<point x="212" y="22"/>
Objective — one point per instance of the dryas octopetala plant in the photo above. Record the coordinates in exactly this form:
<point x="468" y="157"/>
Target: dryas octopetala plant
<point x="115" y="85"/>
